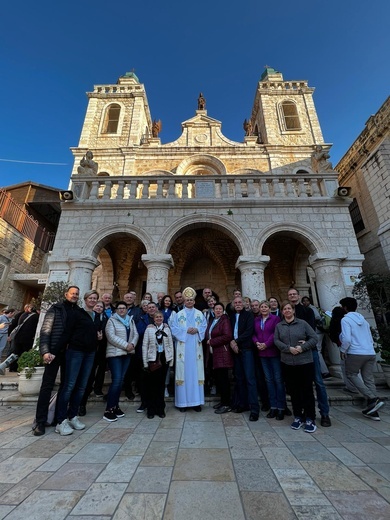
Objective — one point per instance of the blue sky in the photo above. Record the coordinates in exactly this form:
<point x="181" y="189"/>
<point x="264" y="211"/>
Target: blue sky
<point x="53" y="53"/>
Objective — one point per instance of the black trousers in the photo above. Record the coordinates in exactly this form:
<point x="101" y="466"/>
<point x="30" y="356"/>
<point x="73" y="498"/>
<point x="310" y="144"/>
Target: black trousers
<point x="223" y="384"/>
<point x="299" y="380"/>
<point x="155" y="388"/>
<point x="48" y="382"/>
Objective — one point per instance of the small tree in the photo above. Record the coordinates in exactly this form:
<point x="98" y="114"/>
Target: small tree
<point x="373" y="293"/>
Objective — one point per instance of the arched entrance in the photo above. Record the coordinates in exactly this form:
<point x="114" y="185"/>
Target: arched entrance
<point x="204" y="256"/>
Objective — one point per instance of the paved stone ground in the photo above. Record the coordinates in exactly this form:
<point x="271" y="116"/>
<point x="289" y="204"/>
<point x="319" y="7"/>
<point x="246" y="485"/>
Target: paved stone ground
<point x="194" y="466"/>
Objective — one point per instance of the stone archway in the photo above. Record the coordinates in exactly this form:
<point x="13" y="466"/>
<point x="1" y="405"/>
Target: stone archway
<point x="204" y="257"/>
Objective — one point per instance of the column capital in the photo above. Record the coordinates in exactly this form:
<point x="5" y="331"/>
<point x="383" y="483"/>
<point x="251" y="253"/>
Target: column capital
<point x="252" y="262"/>
<point x="86" y="262"/>
<point x="163" y="260"/>
<point x="319" y="259"/>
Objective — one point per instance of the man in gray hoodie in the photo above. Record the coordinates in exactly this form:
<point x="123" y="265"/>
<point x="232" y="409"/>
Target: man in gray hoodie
<point x="357" y="349"/>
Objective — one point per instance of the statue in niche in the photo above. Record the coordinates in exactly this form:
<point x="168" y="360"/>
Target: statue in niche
<point x="156" y="127"/>
<point x="247" y="125"/>
<point x="201" y="102"/>
<point x="320" y="160"/>
<point x="87" y="165"/>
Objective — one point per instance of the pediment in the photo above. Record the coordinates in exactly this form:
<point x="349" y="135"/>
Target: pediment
<point x="202" y="131"/>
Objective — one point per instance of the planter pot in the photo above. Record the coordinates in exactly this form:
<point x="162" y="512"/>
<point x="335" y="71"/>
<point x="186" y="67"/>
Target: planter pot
<point x="31" y="387"/>
<point x="386" y="372"/>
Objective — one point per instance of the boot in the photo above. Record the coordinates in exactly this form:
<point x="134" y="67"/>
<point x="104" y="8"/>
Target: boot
<point x="7" y="362"/>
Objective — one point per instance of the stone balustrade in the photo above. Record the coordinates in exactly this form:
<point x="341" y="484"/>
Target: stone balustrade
<point x="213" y="187"/>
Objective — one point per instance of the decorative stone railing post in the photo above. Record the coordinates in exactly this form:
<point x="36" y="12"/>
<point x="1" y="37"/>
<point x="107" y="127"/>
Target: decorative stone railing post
<point x="252" y="275"/>
<point x="158" y="268"/>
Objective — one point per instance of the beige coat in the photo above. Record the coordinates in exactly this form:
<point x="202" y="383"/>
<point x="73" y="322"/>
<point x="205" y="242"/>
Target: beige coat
<point x="149" y="347"/>
<point x="116" y="337"/>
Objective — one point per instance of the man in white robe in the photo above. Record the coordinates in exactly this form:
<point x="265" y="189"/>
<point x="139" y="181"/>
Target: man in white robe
<point x="189" y="327"/>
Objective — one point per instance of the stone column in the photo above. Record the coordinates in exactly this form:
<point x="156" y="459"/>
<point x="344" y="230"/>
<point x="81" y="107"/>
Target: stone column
<point x="158" y="268"/>
<point x="252" y="275"/>
<point x="81" y="269"/>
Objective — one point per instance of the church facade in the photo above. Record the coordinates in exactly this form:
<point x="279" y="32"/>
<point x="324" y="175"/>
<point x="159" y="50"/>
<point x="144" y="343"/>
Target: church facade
<point x="203" y="210"/>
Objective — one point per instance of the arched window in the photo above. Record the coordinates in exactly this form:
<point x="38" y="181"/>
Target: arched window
<point x="290" y="116"/>
<point x="112" y="119"/>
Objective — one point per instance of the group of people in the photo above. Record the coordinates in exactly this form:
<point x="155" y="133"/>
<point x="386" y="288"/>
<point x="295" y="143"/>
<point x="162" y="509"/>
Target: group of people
<point x="271" y="350"/>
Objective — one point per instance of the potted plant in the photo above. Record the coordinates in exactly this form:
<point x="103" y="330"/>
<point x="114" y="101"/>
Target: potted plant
<point x="30" y="368"/>
<point x="373" y="293"/>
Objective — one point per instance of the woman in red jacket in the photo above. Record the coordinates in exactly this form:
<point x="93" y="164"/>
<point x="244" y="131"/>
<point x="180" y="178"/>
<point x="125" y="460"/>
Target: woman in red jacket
<point x="218" y="337"/>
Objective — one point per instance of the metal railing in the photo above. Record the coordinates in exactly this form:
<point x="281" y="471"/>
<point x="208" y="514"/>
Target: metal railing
<point x="15" y="215"/>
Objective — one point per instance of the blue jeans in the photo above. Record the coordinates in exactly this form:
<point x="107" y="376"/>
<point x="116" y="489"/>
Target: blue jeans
<point x="275" y="382"/>
<point x="322" y="396"/>
<point x="78" y="366"/>
<point x="246" y="385"/>
<point x="118" y="367"/>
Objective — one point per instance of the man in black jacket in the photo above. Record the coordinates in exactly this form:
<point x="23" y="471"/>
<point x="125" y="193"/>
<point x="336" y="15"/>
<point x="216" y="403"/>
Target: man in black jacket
<point x="52" y="349"/>
<point x="244" y="363"/>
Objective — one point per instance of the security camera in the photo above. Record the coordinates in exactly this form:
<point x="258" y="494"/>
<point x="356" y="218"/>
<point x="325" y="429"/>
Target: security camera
<point x="66" y="195"/>
<point x="342" y="192"/>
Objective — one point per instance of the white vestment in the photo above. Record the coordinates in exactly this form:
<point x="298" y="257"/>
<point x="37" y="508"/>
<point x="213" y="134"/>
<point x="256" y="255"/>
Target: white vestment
<point x="189" y="373"/>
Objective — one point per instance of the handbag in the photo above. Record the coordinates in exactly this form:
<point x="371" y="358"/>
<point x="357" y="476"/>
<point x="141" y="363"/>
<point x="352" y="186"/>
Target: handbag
<point x="155" y="365"/>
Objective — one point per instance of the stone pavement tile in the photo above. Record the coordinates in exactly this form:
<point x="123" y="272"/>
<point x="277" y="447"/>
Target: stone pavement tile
<point x="233" y="419"/>
<point x="172" y="421"/>
<point x="120" y="469"/>
<point x="14" y="469"/>
<point x="4" y="488"/>
<point x="5" y="510"/>
<point x="370" y="452"/>
<point x="383" y="441"/>
<point x="310" y="451"/>
<point x="269" y="438"/>
<point x="73" y="477"/>
<point x="113" y="435"/>
<point x="42" y="449"/>
<point x="136" y="506"/>
<point x="241" y="431"/>
<point x="346" y="457"/>
<point x="203" y="435"/>
<point x="55" y="462"/>
<point x="136" y="444"/>
<point x="300" y="489"/>
<point x="203" y="464"/>
<point x="332" y="476"/>
<point x="244" y="449"/>
<point x="5" y="453"/>
<point x="165" y="434"/>
<point x="359" y="505"/>
<point x="206" y="415"/>
<point x="382" y="469"/>
<point x="100" y="499"/>
<point x="89" y="517"/>
<point x="287" y="434"/>
<point x="341" y="434"/>
<point x="374" y="480"/>
<point x="147" y="426"/>
<point x="328" y="441"/>
<point x="255" y="475"/>
<point x="21" y="442"/>
<point x="99" y="452"/>
<point x="150" y="480"/>
<point x="281" y="458"/>
<point x="19" y="492"/>
<point x="203" y="501"/>
<point x="316" y="513"/>
<point x="40" y="505"/>
<point x="76" y="443"/>
<point x="266" y="506"/>
<point x="160" y="454"/>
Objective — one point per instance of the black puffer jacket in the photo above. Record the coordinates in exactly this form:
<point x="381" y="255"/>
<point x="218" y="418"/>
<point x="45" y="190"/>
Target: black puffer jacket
<point x="52" y="338"/>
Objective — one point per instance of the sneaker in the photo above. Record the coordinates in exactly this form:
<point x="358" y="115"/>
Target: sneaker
<point x="297" y="423"/>
<point x="64" y="428"/>
<point x="76" y="424"/>
<point x="141" y="409"/>
<point x="99" y="394"/>
<point x="110" y="416"/>
<point x="166" y="393"/>
<point x="373" y="405"/>
<point x="118" y="412"/>
<point x="310" y="426"/>
<point x="374" y="416"/>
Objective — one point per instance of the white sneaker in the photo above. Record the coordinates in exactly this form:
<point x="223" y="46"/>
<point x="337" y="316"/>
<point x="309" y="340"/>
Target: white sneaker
<point x="76" y="424"/>
<point x="64" y="428"/>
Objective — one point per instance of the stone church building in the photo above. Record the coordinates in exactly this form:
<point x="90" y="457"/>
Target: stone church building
<point x="203" y="210"/>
